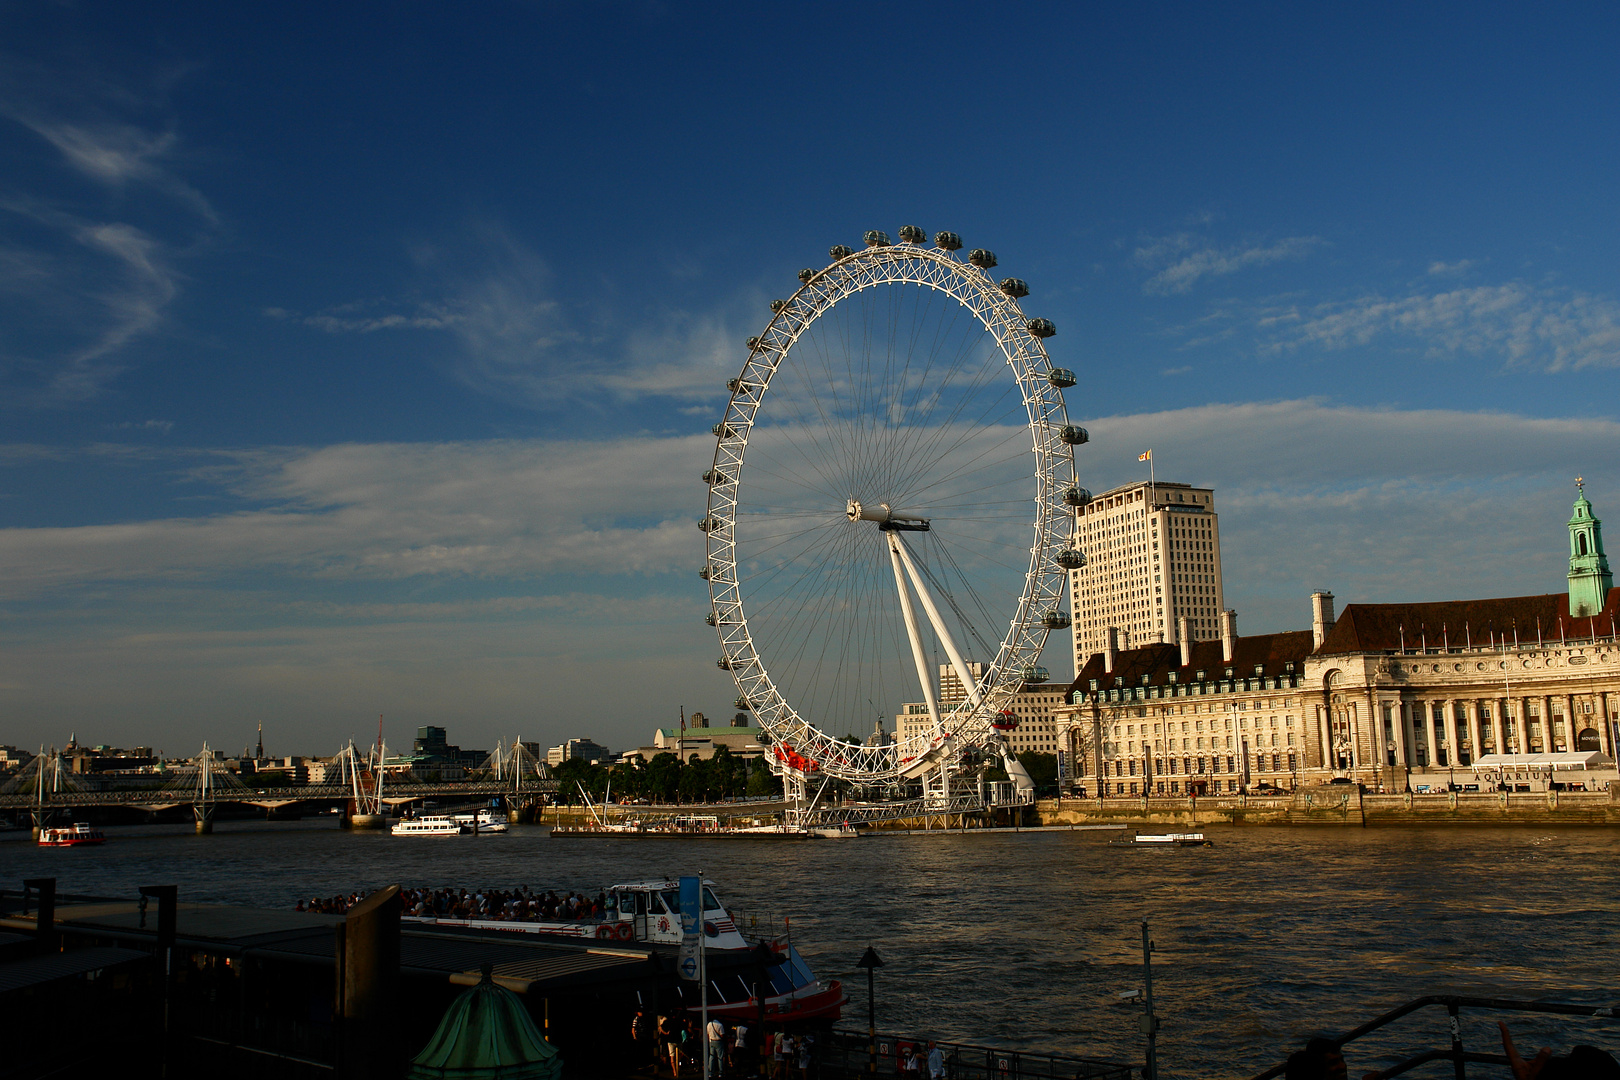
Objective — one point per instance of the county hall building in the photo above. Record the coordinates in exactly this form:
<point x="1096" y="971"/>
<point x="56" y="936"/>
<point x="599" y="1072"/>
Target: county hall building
<point x="1514" y="692"/>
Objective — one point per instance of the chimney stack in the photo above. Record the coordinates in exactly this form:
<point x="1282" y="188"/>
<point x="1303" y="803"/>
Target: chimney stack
<point x="1110" y="646"/>
<point x="1158" y="635"/>
<point x="1321" y="616"/>
<point x="1228" y="634"/>
<point x="1184" y="632"/>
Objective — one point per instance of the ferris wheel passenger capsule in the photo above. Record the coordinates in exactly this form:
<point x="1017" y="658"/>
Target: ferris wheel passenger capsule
<point x="1060" y="377"/>
<point x="777" y="306"/>
<point x="806" y="274"/>
<point x="712" y="619"/>
<point x="1055" y="620"/>
<point x="947" y="241"/>
<point x="1077" y="496"/>
<point x="839" y="251"/>
<point x="708" y="524"/>
<point x="724" y="663"/>
<point x="1071" y="558"/>
<point x="1017" y="288"/>
<point x="1041" y="328"/>
<point x="910" y="234"/>
<point x="875" y="238"/>
<point x="752" y="343"/>
<point x="1074" y="436"/>
<point x="981" y="258"/>
<point x="706" y="573"/>
<point x="726" y="431"/>
<point x="1034" y="673"/>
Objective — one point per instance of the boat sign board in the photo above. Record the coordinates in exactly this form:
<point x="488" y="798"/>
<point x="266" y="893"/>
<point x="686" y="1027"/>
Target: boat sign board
<point x="691" y="904"/>
<point x="688" y="963"/>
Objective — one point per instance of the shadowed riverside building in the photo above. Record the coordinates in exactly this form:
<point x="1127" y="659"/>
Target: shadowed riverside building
<point x="1515" y="692"/>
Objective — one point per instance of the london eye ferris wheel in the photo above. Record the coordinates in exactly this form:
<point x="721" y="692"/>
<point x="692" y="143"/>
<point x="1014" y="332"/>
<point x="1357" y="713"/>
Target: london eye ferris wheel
<point x="891" y="496"/>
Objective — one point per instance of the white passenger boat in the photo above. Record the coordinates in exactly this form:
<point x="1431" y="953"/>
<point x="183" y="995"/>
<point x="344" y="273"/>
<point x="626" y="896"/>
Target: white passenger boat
<point x="648" y="913"/>
<point x="485" y="820"/>
<point x="437" y="825"/>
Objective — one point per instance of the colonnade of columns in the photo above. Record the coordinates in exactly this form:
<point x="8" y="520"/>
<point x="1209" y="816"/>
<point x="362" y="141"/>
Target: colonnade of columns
<point x="1494" y="724"/>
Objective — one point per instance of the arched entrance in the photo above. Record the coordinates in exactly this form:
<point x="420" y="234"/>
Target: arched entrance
<point x="1588" y="740"/>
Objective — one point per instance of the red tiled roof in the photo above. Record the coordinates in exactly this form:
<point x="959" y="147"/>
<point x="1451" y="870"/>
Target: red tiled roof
<point x="1383" y="627"/>
<point x="1270" y="652"/>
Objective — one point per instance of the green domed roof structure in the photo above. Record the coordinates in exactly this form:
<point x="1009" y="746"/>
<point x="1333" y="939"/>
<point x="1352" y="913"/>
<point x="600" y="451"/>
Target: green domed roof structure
<point x="487" y="1034"/>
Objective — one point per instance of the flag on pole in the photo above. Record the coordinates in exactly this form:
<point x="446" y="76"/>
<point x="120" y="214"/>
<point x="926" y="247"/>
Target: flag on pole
<point x="1145" y="456"/>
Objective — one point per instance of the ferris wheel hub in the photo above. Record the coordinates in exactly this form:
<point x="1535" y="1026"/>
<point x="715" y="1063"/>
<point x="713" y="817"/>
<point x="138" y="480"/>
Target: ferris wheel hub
<point x="887" y="519"/>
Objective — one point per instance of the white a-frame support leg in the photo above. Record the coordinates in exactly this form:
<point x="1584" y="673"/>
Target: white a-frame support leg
<point x="914" y="633"/>
<point x="899" y="556"/>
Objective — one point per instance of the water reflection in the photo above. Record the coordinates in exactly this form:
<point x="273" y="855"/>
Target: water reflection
<point x="1269" y="937"/>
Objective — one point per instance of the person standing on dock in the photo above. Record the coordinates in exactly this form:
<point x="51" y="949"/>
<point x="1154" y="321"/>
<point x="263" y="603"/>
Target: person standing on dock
<point x="936" y="1061"/>
<point x="715" y="1035"/>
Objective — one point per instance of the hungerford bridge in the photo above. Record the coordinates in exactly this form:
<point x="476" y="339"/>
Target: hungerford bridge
<point x="46" y="788"/>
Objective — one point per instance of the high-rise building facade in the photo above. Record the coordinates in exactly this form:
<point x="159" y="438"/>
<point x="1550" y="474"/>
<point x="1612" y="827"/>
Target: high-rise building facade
<point x="1153" y="556"/>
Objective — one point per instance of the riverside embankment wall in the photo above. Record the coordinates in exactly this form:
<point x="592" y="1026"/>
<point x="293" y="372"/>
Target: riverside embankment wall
<point x="1341" y="805"/>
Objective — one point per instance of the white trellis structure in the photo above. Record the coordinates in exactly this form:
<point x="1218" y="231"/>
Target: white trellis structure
<point x="799" y="749"/>
<point x="362" y="773"/>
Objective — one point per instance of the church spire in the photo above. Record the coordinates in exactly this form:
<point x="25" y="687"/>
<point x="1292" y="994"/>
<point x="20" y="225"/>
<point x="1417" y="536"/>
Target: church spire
<point x="259" y="753"/>
<point x="1589" y="577"/>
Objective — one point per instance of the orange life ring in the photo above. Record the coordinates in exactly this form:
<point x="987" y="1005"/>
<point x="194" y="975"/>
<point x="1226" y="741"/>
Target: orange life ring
<point x="604" y="931"/>
<point x="626" y="931"/>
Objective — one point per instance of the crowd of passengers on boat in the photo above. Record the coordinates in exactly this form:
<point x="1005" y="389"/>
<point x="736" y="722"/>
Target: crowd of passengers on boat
<point x="498" y="905"/>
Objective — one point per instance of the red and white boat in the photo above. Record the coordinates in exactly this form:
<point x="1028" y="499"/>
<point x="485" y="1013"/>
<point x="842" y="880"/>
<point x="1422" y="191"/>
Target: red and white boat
<point x="79" y="834"/>
<point x="648" y="912"/>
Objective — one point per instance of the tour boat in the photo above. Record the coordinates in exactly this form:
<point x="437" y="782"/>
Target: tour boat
<point x="648" y="912"/>
<point x="78" y="834"/>
<point x="430" y="826"/>
<point x="486" y="820"/>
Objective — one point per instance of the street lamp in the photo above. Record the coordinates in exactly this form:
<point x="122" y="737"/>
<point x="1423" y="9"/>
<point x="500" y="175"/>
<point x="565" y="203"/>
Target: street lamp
<point x="765" y="957"/>
<point x="871" y="962"/>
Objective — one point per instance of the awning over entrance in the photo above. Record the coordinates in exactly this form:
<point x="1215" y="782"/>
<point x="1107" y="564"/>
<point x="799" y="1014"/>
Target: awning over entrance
<point x="1589" y="759"/>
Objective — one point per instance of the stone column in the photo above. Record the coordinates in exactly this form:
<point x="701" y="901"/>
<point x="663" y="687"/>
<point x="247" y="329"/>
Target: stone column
<point x="1572" y="723"/>
<point x="1521" y="741"/>
<point x="1375" y="738"/>
<point x="1397" y="731"/>
<point x="1605" y="736"/>
<point x="1546" y="724"/>
<point x="1408" y="736"/>
<point x="1475" y="742"/>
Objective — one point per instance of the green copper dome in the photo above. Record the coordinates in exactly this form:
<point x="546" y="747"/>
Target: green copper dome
<point x="487" y="1033"/>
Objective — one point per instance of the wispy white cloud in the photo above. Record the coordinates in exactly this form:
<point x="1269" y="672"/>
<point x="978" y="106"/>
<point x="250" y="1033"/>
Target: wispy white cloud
<point x="387" y="512"/>
<point x="1179" y="261"/>
<point x="120" y="155"/>
<point x="1525" y="325"/>
<point x="1453" y="269"/>
<point x="514" y="337"/>
<point x="83" y="287"/>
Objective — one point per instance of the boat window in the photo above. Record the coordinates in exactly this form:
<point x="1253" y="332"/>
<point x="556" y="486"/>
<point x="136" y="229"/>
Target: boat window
<point x="709" y="902"/>
<point x="672" y="901"/>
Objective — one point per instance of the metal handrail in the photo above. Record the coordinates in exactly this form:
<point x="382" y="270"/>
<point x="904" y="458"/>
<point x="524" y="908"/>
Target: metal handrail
<point x="1456" y="1054"/>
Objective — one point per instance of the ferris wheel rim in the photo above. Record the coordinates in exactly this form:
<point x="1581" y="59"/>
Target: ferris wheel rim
<point x="808" y="748"/>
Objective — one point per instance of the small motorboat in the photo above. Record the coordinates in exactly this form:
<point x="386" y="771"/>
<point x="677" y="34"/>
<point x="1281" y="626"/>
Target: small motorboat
<point x="79" y="834"/>
<point x="1163" y="840"/>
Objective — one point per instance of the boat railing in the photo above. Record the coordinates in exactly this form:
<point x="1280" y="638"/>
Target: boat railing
<point x="759" y="925"/>
<point x="1456" y="1053"/>
<point x="848" y="1054"/>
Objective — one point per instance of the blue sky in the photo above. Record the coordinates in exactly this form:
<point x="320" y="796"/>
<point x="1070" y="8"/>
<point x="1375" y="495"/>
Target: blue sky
<point x="361" y="361"/>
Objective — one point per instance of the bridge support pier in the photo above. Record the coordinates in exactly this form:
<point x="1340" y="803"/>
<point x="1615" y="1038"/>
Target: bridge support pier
<point x="40" y="819"/>
<point x="205" y="818"/>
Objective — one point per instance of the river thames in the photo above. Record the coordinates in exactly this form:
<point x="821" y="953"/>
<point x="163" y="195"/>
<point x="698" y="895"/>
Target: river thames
<point x="1026" y="939"/>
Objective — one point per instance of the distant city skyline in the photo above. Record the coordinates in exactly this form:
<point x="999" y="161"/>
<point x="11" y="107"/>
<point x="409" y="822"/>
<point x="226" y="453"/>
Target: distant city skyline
<point x="371" y="370"/>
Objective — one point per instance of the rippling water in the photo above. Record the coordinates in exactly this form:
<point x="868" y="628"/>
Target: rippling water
<point x="1025" y="939"/>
